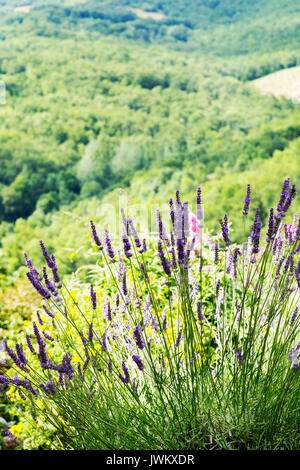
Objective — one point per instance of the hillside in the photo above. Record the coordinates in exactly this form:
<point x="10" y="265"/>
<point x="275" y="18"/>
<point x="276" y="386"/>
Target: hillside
<point x="100" y="99"/>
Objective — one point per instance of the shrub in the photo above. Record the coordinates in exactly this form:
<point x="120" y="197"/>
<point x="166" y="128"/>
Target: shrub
<point x="195" y="348"/>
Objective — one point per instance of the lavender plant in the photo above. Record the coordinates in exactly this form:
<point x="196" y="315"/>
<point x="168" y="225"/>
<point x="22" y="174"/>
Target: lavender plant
<point x="206" y="356"/>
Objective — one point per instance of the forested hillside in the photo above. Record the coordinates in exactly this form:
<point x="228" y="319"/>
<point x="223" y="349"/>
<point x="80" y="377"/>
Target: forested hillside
<point x="100" y="96"/>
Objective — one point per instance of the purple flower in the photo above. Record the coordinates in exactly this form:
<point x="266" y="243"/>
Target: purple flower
<point x="134" y="234"/>
<point x="294" y="356"/>
<point x="5" y="380"/>
<point x="247" y="200"/>
<point x="90" y="333"/>
<point x="239" y="356"/>
<point x="199" y="196"/>
<point x="95" y="236"/>
<point x="103" y="342"/>
<point x="47" y="336"/>
<point x="39" y="318"/>
<point x="31" y="348"/>
<point x="66" y="366"/>
<point x="225" y="229"/>
<point x="173" y="259"/>
<point x="199" y="209"/>
<point x="108" y="311"/>
<point x="127" y="246"/>
<point x="178" y="339"/>
<point x="138" y="338"/>
<point x="297" y="273"/>
<point x="107" y="243"/>
<point x="30" y="266"/>
<point x="216" y="260"/>
<point x="161" y="229"/>
<point x="138" y="362"/>
<point x="163" y="260"/>
<point x="126" y="378"/>
<point x="201" y="264"/>
<point x="80" y="371"/>
<point x="93" y="297"/>
<point x="48" y="312"/>
<point x="20" y="353"/>
<point x="50" y="285"/>
<point x="144" y="272"/>
<point x="284" y="194"/>
<point x="90" y="396"/>
<point x="19" y="363"/>
<point x="23" y="383"/>
<point x="124" y="285"/>
<point x="270" y="232"/>
<point x="180" y="251"/>
<point x="49" y="388"/>
<point x="8" y="433"/>
<point x="286" y="198"/>
<point x="172" y="213"/>
<point x="55" y="273"/>
<point x="218" y="288"/>
<point x="294" y="316"/>
<point x="289" y="198"/>
<point x="200" y="313"/>
<point x="46" y="255"/>
<point x="255" y="235"/>
<point x="38" y="286"/>
<point x="236" y="254"/>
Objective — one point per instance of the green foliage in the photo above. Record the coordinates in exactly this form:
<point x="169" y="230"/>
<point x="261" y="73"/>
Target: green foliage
<point x="101" y="102"/>
<point x="157" y="358"/>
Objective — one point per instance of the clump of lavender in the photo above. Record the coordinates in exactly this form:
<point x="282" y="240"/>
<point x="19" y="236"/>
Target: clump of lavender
<point x="155" y="324"/>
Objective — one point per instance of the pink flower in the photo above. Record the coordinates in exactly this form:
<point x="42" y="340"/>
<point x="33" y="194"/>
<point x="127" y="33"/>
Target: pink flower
<point x="195" y="231"/>
<point x="195" y="228"/>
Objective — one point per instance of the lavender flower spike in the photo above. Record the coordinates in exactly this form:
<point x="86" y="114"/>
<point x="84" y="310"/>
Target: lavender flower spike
<point x="93" y="297"/>
<point x="164" y="262"/>
<point x="138" y="362"/>
<point x="138" y="338"/>
<point x="247" y="200"/>
<point x="95" y="236"/>
<point x="270" y="232"/>
<point x="107" y="243"/>
<point x="127" y="246"/>
<point x="255" y="235"/>
<point x="239" y="356"/>
<point x="126" y="378"/>
<point x="225" y="230"/>
<point x="199" y="213"/>
<point x="178" y="339"/>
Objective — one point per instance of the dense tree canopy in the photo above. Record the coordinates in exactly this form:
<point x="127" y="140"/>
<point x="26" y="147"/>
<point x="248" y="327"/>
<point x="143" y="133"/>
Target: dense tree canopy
<point x="99" y="98"/>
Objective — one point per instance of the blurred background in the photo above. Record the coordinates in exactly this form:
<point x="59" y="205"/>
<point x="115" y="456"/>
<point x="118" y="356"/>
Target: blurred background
<point x="134" y="100"/>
